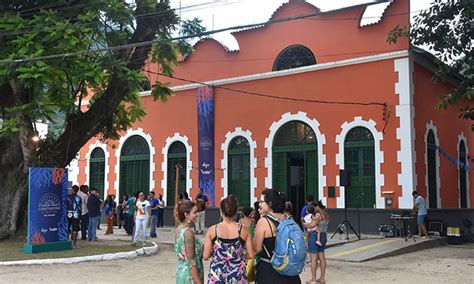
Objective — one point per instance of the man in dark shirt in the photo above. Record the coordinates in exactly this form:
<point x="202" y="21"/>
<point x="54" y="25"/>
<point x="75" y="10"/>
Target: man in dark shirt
<point x="93" y="206"/>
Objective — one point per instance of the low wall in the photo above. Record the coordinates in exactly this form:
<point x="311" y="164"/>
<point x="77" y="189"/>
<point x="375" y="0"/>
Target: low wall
<point x="365" y="220"/>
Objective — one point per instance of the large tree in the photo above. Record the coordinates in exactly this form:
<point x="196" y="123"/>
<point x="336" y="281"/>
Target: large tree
<point x="447" y="30"/>
<point x="103" y="54"/>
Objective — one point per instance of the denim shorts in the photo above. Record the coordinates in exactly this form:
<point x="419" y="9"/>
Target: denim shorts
<point x="312" y="246"/>
<point x="420" y="220"/>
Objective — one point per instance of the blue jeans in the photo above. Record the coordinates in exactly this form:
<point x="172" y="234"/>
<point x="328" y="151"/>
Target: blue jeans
<point x="154" y="221"/>
<point x="92" y="228"/>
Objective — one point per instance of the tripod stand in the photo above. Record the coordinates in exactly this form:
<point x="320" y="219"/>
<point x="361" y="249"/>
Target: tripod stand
<point x="345" y="223"/>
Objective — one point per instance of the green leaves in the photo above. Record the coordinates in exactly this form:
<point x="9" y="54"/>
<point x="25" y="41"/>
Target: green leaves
<point x="447" y="29"/>
<point x="162" y="91"/>
<point x="9" y="127"/>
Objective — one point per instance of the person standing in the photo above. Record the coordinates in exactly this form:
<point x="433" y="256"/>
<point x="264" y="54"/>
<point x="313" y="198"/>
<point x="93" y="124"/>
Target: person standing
<point x="154" y="203"/>
<point x="161" y="210"/>
<point x="142" y="213"/>
<point x="84" y="195"/>
<point x="309" y="202"/>
<point x="131" y="214"/>
<point x="315" y="249"/>
<point x="201" y="202"/>
<point x="109" y="210"/>
<point x="272" y="203"/>
<point x="74" y="206"/>
<point x="227" y="243"/>
<point x="419" y="208"/>
<point x="93" y="206"/>
<point x="187" y="247"/>
<point x="121" y="212"/>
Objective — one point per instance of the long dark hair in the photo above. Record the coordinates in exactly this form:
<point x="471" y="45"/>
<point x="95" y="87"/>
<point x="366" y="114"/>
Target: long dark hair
<point x="275" y="200"/>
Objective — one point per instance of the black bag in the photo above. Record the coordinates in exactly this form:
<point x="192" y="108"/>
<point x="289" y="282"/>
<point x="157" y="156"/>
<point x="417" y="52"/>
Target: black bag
<point x="387" y="231"/>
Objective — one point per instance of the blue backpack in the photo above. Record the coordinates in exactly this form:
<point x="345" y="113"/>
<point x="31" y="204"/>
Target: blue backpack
<point x="290" y="252"/>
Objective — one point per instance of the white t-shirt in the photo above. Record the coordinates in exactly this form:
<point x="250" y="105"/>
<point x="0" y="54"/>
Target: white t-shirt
<point x="420" y="201"/>
<point x="142" y="208"/>
<point x="84" y="198"/>
<point x="308" y="218"/>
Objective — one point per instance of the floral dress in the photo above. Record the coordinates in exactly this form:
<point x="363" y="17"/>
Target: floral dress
<point x="228" y="264"/>
<point x="183" y="268"/>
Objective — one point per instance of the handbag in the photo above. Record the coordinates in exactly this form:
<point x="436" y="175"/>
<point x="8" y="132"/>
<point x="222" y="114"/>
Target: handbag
<point x="250" y="269"/>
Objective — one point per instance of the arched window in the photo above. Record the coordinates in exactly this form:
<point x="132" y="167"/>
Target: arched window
<point x="432" y="170"/>
<point x="462" y="175"/>
<point x="359" y="159"/>
<point x="293" y="57"/>
<point x="239" y="170"/>
<point x="97" y="170"/>
<point x="176" y="158"/>
<point x="295" y="163"/>
<point x="135" y="166"/>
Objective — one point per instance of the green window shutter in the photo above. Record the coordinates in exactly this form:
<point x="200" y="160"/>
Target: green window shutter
<point x="359" y="155"/>
<point x="238" y="170"/>
<point x="311" y="174"/>
<point x="280" y="172"/>
<point x="462" y="175"/>
<point x="97" y="170"/>
<point x="432" y="175"/>
<point x="134" y="166"/>
<point x="176" y="156"/>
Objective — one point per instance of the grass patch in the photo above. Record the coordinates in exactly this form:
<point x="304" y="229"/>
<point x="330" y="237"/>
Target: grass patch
<point x="12" y="249"/>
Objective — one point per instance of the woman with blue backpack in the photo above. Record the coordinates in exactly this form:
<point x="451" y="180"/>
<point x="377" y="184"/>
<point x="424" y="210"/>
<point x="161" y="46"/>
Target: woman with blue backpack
<point x="282" y="255"/>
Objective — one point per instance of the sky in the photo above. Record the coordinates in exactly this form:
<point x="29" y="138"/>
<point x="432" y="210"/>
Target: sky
<point x="216" y="14"/>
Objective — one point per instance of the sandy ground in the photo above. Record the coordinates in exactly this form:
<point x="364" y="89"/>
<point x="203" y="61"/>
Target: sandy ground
<point x="437" y="265"/>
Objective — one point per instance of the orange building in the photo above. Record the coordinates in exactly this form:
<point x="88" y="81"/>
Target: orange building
<point x="296" y="103"/>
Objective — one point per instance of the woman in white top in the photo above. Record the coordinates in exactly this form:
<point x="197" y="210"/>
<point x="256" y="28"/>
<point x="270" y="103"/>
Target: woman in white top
<point x="142" y="213"/>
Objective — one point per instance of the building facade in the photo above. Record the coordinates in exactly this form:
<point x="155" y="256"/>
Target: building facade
<point x="296" y="103"/>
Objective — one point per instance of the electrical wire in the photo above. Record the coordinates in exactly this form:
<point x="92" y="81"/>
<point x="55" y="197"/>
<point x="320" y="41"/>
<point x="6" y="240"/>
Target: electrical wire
<point x="146" y="43"/>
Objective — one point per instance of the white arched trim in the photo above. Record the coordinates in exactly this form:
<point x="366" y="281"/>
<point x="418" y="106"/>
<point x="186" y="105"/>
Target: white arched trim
<point x="462" y="137"/>
<point x="253" y="160"/>
<point x="164" y="165"/>
<point x="321" y="139"/>
<point x="102" y="146"/>
<point x="118" y="152"/>
<point x="431" y="126"/>
<point x="379" y="158"/>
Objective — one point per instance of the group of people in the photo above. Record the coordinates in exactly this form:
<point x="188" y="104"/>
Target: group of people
<point x="248" y="237"/>
<point x="84" y="212"/>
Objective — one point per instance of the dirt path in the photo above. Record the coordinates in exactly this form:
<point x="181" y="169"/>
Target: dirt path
<point x="438" y="265"/>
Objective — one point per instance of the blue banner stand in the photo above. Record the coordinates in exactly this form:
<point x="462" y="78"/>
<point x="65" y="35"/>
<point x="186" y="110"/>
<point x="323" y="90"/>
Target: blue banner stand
<point x="29" y="247"/>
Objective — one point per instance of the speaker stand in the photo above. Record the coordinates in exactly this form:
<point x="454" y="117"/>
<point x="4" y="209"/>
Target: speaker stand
<point x="346" y="223"/>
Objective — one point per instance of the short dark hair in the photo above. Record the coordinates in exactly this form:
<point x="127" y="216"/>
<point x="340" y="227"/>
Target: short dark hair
<point x="75" y="188"/>
<point x="320" y="204"/>
<point x="275" y="200"/>
<point x="229" y="206"/>
<point x="309" y="198"/>
<point x="310" y="209"/>
<point x="415" y="193"/>
<point x="152" y="192"/>
<point x="247" y="211"/>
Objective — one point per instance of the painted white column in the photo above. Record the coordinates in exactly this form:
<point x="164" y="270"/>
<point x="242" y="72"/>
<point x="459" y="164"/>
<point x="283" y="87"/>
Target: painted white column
<point x="405" y="111"/>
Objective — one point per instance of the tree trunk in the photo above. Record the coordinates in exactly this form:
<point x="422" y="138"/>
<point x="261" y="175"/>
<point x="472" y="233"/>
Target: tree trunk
<point x="13" y="187"/>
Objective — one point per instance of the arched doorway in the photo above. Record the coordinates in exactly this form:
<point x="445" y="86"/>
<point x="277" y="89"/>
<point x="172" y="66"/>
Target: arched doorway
<point x="295" y="163"/>
<point x="97" y="170"/>
<point x="462" y="175"/>
<point x="239" y="170"/>
<point x="431" y="150"/>
<point x="176" y="157"/>
<point x="134" y="166"/>
<point x="359" y="159"/>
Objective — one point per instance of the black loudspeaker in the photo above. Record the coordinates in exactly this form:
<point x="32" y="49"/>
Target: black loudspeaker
<point x="345" y="178"/>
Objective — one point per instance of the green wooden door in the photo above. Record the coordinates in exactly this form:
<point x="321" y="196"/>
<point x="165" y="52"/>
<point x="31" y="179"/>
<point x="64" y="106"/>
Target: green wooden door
<point x="432" y="174"/>
<point x="176" y="157"/>
<point x="238" y="173"/>
<point x="359" y="155"/>
<point x="97" y="170"/>
<point x="134" y="166"/>
<point x="295" y="137"/>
